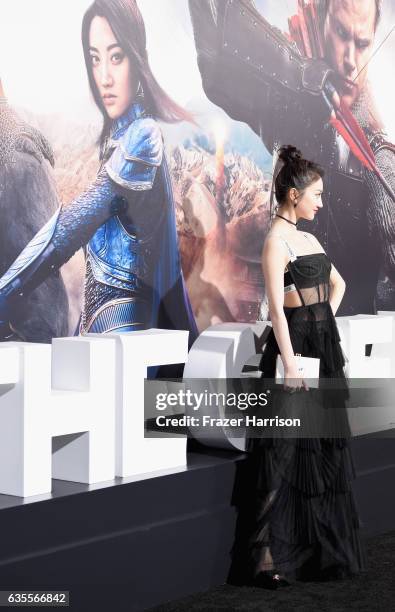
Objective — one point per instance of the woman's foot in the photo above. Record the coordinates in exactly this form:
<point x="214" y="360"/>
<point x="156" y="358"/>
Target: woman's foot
<point x="270" y="580"/>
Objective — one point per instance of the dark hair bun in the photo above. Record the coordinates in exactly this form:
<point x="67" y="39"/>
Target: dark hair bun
<point x="289" y="154"/>
<point x="295" y="172"/>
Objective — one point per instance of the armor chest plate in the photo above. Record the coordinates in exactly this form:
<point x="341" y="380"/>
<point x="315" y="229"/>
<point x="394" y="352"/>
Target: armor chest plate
<point x="116" y="257"/>
<point x="123" y="251"/>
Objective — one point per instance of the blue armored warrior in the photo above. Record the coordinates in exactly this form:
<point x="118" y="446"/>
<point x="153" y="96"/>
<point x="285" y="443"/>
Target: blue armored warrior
<point x="126" y="218"/>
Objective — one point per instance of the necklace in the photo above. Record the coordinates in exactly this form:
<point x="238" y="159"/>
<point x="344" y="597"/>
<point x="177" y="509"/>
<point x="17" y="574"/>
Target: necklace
<point x="287" y="220"/>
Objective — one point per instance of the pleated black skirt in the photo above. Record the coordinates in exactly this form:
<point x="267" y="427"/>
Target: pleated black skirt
<point x="305" y="521"/>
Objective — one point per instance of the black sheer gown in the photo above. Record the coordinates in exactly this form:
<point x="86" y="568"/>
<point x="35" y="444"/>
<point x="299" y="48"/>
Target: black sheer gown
<point x="306" y="524"/>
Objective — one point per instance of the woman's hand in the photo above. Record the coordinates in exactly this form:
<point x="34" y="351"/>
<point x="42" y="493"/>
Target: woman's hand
<point x="293" y="379"/>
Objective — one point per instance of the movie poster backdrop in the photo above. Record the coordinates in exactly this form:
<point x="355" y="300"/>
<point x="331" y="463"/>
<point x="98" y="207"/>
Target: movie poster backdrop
<point x="211" y="57"/>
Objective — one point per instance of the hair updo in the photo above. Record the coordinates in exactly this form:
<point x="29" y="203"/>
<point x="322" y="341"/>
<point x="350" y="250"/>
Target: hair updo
<point x="295" y="172"/>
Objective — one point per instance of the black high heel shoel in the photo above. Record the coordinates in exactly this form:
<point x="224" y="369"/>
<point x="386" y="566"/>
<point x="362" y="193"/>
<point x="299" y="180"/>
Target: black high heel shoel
<point x="270" y="580"/>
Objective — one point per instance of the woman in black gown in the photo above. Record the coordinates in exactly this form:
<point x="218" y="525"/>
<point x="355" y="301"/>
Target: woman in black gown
<point x="305" y="520"/>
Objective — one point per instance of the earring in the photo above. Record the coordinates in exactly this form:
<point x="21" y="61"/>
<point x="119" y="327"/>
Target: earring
<point x="296" y="202"/>
<point x="140" y="90"/>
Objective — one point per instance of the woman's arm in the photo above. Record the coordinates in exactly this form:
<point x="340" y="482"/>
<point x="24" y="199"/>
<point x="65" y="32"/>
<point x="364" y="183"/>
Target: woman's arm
<point x="337" y="289"/>
<point x="252" y="71"/>
<point x="336" y="281"/>
<point x="274" y="260"/>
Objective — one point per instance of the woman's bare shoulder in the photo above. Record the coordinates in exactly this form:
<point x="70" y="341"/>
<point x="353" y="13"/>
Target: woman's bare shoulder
<point x="274" y="237"/>
<point x="273" y="240"/>
<point x="274" y="245"/>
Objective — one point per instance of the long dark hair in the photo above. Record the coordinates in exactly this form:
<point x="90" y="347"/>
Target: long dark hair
<point x="295" y="172"/>
<point x="126" y="21"/>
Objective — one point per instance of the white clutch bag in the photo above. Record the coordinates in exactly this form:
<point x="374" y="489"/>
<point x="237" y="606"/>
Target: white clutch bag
<point x="310" y="367"/>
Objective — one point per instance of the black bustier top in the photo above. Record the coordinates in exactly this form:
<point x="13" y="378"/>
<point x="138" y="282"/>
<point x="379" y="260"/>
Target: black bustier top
<point x="308" y="275"/>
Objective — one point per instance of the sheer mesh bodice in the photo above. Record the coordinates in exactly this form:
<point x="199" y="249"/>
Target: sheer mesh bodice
<point x="308" y="275"/>
<point x="311" y="277"/>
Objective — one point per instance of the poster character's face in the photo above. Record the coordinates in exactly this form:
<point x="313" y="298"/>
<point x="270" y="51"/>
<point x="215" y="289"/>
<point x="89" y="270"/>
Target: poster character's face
<point x="310" y="201"/>
<point x="349" y="35"/>
<point x="112" y="70"/>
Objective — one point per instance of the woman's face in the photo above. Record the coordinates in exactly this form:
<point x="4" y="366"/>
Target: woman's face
<point x="310" y="202"/>
<point x="114" y="77"/>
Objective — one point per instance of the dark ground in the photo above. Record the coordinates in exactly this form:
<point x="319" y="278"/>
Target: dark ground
<point x="373" y="590"/>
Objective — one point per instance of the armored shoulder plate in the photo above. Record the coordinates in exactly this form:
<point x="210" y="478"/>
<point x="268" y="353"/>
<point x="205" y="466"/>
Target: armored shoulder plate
<point x="137" y="154"/>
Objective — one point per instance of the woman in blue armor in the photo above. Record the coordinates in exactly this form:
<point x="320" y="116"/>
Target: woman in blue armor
<point x="126" y="218"/>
